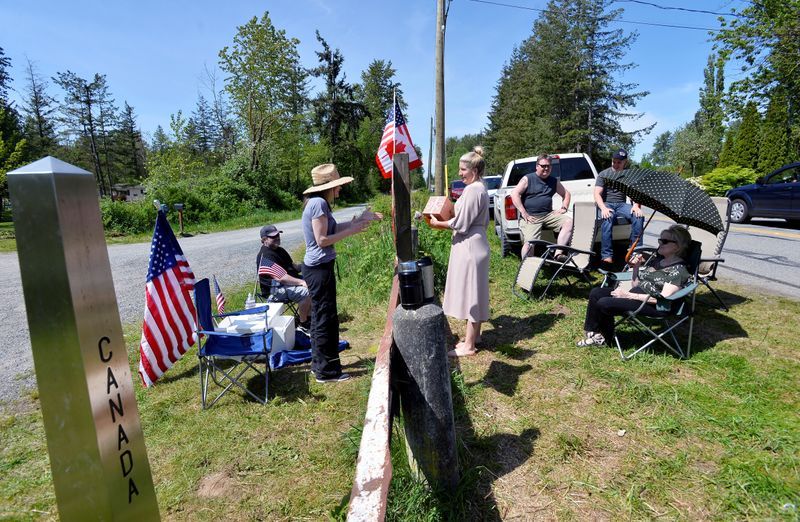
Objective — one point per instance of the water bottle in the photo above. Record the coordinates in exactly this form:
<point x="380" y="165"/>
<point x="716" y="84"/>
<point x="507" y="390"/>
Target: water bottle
<point x="250" y="302"/>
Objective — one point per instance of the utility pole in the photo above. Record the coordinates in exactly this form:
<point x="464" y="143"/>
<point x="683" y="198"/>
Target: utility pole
<point x="441" y="23"/>
<point x="430" y="155"/>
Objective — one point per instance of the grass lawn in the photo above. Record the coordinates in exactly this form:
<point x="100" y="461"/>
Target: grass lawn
<point x="545" y="430"/>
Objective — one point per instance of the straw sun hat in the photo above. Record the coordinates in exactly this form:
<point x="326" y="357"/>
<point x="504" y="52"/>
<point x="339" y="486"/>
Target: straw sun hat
<point x="324" y="177"/>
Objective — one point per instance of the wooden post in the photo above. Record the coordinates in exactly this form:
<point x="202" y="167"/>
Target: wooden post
<point x="401" y="189"/>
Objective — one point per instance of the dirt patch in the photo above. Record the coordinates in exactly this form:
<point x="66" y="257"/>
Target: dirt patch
<point x="217" y="485"/>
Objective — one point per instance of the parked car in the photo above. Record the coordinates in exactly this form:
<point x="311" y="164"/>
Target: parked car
<point x="776" y="195"/>
<point x="455" y="190"/>
<point x="492" y="184"/>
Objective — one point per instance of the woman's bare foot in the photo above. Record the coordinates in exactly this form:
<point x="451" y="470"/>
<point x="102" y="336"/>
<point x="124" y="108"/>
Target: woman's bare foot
<point x="462" y="350"/>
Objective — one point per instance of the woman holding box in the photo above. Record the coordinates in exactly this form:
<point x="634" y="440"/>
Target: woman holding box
<point x="466" y="291"/>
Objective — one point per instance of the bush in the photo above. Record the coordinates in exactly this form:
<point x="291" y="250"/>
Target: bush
<point x="719" y="180"/>
<point x="127" y="218"/>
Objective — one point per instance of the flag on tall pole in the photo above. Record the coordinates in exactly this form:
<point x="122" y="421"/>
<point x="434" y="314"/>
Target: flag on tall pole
<point x="220" y="297"/>
<point x="396" y="138"/>
<point x="168" y="329"/>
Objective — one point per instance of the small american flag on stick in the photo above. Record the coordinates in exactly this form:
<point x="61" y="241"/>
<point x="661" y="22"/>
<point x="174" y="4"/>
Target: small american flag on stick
<point x="220" y="297"/>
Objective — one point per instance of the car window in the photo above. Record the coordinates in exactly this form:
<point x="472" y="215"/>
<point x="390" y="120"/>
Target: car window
<point x="574" y="168"/>
<point x="519" y="170"/>
<point x="784" y="176"/>
<point x="492" y="183"/>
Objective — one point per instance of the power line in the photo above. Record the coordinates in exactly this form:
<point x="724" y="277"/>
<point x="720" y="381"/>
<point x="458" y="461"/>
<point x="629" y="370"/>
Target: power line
<point x="670" y="8"/>
<point x="620" y="20"/>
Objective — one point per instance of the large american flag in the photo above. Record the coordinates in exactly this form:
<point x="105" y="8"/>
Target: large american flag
<point x="395" y="139"/>
<point x="220" y="297"/>
<point x="168" y="329"/>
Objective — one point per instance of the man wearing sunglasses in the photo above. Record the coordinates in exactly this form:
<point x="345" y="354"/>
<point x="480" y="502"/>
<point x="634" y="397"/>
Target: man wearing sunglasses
<point x="533" y="198"/>
<point x="612" y="203"/>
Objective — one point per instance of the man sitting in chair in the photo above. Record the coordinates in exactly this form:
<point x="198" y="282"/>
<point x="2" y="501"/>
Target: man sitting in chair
<point x="612" y="203"/>
<point x="275" y="264"/>
<point x="533" y="198"/>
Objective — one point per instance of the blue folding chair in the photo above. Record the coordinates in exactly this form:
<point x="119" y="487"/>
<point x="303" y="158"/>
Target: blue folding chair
<point x="225" y="358"/>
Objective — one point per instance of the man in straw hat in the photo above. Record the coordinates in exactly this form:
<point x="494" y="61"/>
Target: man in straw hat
<point x="321" y="232"/>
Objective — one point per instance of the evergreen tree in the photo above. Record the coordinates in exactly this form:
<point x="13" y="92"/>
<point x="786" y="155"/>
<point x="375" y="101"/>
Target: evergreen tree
<point x="745" y="147"/>
<point x="13" y="148"/>
<point x="38" y="108"/>
<point x="129" y="147"/>
<point x="160" y="141"/>
<point x="773" y="145"/>
<point x="376" y="92"/>
<point x="726" y="157"/>
<point x="561" y="90"/>
<point x="5" y="77"/>
<point x="337" y="114"/>
<point x="87" y="116"/>
<point x="765" y="39"/>
<point x="659" y="156"/>
<point x="203" y="129"/>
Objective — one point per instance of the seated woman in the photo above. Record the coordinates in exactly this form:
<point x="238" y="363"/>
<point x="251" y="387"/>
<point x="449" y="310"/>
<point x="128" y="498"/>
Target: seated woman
<point x="665" y="278"/>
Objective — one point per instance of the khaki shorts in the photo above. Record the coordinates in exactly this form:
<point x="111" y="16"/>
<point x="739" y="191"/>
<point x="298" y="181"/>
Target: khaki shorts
<point x="552" y="221"/>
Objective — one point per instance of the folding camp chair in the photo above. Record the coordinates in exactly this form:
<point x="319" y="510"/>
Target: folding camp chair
<point x="578" y="255"/>
<point x="225" y="357"/>
<point x="707" y="271"/>
<point x="671" y="312"/>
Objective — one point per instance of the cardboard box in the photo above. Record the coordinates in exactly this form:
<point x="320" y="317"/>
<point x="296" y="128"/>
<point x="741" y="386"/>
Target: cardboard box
<point x="439" y="207"/>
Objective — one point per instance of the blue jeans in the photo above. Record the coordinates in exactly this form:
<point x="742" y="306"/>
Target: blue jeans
<point x="607" y="225"/>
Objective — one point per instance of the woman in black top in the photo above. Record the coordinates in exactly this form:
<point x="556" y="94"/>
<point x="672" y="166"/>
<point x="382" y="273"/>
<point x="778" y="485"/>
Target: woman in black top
<point x="664" y="279"/>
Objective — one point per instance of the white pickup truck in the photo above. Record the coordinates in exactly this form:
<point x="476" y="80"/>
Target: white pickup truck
<point x="575" y="171"/>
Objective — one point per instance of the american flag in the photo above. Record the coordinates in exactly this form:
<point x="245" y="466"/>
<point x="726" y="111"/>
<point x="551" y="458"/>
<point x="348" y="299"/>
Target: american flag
<point x="168" y="330"/>
<point x="270" y="268"/>
<point x="220" y="297"/>
<point x="395" y="139"/>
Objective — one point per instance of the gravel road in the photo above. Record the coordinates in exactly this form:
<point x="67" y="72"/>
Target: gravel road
<point x="230" y="255"/>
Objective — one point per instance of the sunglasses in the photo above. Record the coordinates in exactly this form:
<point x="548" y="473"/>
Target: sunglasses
<point x="545" y="166"/>
<point x="665" y="241"/>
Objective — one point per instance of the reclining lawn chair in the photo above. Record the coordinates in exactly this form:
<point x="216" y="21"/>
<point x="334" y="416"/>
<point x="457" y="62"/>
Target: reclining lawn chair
<point x="262" y="290"/>
<point x="707" y="271"/>
<point x="225" y="358"/>
<point x="578" y="255"/>
<point x="672" y="312"/>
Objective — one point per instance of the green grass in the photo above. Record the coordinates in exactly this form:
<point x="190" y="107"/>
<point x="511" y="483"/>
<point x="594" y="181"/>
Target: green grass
<point x="544" y="429"/>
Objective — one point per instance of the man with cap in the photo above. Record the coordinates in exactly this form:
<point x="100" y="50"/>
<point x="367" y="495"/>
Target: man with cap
<point x="275" y="264"/>
<point x="612" y="203"/>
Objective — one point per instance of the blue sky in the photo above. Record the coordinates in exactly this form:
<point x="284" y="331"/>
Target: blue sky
<point x="154" y="52"/>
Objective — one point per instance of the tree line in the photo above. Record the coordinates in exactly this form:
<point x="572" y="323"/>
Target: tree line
<point x="752" y="126"/>
<point x="249" y="143"/>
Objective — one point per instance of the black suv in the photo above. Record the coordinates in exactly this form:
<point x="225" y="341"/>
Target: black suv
<point x="776" y="195"/>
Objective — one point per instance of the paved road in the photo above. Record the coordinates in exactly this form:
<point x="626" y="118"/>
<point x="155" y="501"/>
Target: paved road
<point x="764" y="254"/>
<point x="229" y="255"/>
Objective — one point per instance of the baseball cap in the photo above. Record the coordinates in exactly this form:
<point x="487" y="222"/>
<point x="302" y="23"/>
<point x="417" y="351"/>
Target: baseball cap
<point x="270" y="231"/>
<point x="621" y="154"/>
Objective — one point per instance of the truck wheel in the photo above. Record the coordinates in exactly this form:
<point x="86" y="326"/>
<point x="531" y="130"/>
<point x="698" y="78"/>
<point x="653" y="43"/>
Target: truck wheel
<point x="739" y="211"/>
<point x="505" y="247"/>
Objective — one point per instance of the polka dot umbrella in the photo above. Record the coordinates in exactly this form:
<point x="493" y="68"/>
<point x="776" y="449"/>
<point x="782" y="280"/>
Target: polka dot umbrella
<point x="670" y="194"/>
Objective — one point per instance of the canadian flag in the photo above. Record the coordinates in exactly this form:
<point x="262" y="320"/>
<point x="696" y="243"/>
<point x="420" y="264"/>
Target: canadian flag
<point x="395" y="139"/>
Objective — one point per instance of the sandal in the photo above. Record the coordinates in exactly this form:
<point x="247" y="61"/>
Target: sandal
<point x="592" y="339"/>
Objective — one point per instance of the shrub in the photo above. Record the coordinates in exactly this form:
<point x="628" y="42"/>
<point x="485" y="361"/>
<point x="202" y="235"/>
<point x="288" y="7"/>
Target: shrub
<point x="127" y="217"/>
<point x="719" y="180"/>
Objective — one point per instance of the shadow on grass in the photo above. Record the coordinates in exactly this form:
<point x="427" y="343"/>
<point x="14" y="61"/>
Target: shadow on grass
<point x="705" y="299"/>
<point x="509" y="330"/>
<point x="483" y="460"/>
<point x="710" y="327"/>
<point x="504" y="377"/>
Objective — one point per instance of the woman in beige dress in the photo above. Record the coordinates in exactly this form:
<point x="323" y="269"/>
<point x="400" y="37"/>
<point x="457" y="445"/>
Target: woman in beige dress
<point x="466" y="292"/>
